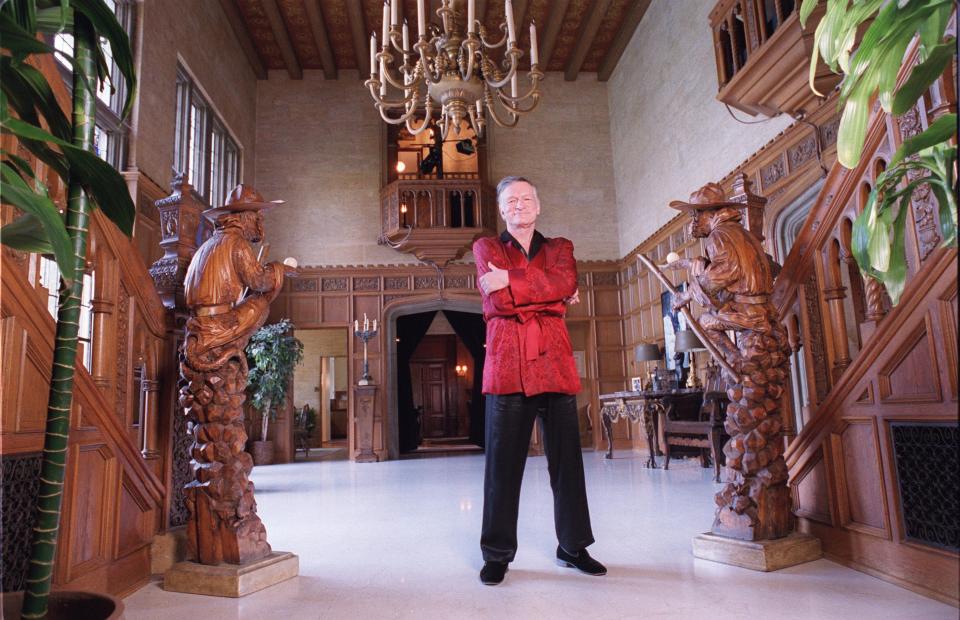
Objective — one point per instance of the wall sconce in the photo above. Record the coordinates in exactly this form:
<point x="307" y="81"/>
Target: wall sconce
<point x="401" y="166"/>
<point x="461" y="370"/>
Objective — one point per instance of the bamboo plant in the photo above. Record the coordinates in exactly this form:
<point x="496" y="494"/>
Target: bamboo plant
<point x="272" y="354"/>
<point x="30" y="112"/>
<point x="871" y="67"/>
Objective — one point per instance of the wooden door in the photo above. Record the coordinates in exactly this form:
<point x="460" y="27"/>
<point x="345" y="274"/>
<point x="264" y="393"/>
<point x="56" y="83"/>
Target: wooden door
<point x="433" y="386"/>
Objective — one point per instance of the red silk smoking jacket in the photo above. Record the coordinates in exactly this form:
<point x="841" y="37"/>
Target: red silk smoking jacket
<point x="528" y="347"/>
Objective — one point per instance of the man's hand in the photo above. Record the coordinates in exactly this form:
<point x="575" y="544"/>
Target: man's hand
<point x="573" y="299"/>
<point x="494" y="280"/>
<point x="680" y="300"/>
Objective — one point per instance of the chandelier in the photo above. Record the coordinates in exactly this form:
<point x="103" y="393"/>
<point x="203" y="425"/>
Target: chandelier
<point x="456" y="68"/>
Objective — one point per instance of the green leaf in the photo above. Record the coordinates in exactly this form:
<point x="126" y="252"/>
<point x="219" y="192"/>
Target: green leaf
<point x="33" y="89"/>
<point x="947" y="213"/>
<point x="895" y="277"/>
<point x="100" y="180"/>
<point x="26" y="234"/>
<point x="806" y="9"/>
<point x="105" y="24"/>
<point x="860" y="236"/>
<point x="853" y="129"/>
<point x="939" y="131"/>
<point x="15" y="191"/>
<point x="923" y="75"/>
<point x="932" y="29"/>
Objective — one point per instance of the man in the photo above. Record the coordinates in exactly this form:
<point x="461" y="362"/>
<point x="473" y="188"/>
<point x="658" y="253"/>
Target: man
<point x="527" y="280"/>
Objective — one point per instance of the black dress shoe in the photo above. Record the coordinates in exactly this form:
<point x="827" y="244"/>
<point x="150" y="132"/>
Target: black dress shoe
<point x="492" y="573"/>
<point x="581" y="561"/>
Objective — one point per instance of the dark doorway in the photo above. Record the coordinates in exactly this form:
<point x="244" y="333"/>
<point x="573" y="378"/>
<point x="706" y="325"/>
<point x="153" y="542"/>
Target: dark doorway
<point x="439" y="374"/>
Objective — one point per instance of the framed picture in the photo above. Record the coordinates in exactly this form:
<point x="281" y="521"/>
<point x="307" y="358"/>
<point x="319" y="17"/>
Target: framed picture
<point x="636" y="384"/>
<point x="673" y="322"/>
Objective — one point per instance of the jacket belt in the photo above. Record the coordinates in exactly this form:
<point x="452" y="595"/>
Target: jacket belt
<point x="531" y="332"/>
<point x="751" y="299"/>
<point x="212" y="310"/>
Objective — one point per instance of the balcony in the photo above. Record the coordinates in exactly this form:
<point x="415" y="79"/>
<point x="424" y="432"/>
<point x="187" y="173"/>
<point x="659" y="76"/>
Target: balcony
<point x="763" y="56"/>
<point x="436" y="220"/>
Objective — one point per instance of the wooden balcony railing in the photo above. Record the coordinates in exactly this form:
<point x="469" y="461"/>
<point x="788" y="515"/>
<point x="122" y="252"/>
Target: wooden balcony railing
<point x="436" y="220"/>
<point x="763" y="56"/>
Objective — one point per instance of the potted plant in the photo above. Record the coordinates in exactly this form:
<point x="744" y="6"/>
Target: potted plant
<point x="29" y="111"/>
<point x="870" y="71"/>
<point x="272" y="354"/>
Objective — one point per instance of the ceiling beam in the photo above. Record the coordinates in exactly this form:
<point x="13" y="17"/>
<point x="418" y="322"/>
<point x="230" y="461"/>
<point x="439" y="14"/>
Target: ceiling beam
<point x="585" y="40"/>
<point x="319" y="30"/>
<point x="282" y="38"/>
<point x="557" y="11"/>
<point x="243" y="37"/>
<point x="630" y="23"/>
<point x="359" y="34"/>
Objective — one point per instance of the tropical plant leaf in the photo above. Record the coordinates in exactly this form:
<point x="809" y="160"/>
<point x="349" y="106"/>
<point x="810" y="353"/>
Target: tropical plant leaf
<point x="15" y="191"/>
<point x="853" y="129"/>
<point x="105" y="24"/>
<point x="23" y="167"/>
<point x="806" y="9"/>
<point x="923" y="75"/>
<point x="939" y="131"/>
<point x="100" y="180"/>
<point x="26" y="234"/>
<point x="30" y="88"/>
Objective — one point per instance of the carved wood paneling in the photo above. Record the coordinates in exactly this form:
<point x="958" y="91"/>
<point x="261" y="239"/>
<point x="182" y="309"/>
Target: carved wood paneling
<point x="859" y="477"/>
<point x="811" y="498"/>
<point x="912" y="376"/>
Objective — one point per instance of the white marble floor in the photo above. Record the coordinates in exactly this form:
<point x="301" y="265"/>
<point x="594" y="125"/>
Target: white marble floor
<point x="400" y="540"/>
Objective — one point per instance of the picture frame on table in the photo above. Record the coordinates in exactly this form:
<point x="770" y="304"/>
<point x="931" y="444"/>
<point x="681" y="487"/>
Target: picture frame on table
<point x="636" y="384"/>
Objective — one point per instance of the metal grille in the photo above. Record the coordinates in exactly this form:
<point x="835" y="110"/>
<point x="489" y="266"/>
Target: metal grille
<point x="182" y="471"/>
<point x="926" y="462"/>
<point x="21" y="484"/>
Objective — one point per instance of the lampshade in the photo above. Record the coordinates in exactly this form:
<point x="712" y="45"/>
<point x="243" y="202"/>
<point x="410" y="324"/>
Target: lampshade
<point x="648" y="352"/>
<point x="687" y="341"/>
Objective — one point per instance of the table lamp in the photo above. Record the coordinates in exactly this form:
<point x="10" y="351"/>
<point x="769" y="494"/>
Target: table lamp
<point x="649" y="352"/>
<point x="687" y="342"/>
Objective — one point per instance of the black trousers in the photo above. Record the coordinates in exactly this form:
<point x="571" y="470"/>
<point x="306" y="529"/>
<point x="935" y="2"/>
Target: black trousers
<point x="509" y="424"/>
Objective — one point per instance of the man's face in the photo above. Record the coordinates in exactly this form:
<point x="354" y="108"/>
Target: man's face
<point x="253" y="226"/>
<point x="699" y="224"/>
<point x="519" y="205"/>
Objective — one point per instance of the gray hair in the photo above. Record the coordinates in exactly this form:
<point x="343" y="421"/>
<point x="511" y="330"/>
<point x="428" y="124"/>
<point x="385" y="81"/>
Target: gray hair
<point x="506" y="182"/>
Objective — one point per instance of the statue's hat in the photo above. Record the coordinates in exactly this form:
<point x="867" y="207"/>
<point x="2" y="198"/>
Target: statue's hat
<point x="242" y="198"/>
<point x="710" y="196"/>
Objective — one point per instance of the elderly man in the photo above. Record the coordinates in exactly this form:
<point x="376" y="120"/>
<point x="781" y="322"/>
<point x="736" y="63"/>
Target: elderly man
<point x="527" y="280"/>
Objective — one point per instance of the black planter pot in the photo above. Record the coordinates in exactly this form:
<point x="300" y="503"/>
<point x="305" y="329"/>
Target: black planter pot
<point x="69" y="605"/>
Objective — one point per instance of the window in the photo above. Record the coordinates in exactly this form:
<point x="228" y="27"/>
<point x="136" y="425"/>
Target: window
<point x="110" y="134"/>
<point x="50" y="280"/>
<point x="203" y="148"/>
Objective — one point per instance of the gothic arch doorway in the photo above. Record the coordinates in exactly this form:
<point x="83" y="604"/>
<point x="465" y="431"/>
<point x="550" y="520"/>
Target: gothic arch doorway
<point x="392" y="312"/>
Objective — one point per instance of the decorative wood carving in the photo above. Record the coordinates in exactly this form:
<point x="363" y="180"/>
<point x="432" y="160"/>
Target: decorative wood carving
<point x="224" y="526"/>
<point x="179" y="220"/>
<point x="368" y="283"/>
<point x="365" y="397"/>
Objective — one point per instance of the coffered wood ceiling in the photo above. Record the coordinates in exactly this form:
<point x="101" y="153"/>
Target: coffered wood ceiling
<point x="296" y="35"/>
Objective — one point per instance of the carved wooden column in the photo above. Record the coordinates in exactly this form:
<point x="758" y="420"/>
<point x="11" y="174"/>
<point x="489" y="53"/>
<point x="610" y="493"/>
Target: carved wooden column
<point x="365" y="399"/>
<point x="179" y="221"/>
<point x="102" y="368"/>
<point x="149" y="396"/>
<point x="753" y="204"/>
<point x="876" y="308"/>
<point x="834" y="297"/>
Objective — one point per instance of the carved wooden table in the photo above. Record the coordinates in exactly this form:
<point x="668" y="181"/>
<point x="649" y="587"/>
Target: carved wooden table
<point x="643" y="407"/>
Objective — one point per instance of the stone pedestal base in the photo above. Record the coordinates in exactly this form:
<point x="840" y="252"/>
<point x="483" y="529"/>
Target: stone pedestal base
<point x="762" y="555"/>
<point x="231" y="579"/>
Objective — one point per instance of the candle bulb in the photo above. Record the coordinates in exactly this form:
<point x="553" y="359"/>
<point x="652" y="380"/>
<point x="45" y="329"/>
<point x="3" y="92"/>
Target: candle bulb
<point x="386" y="24"/>
<point x="511" y="32"/>
<point x="366" y="322"/>
<point x="479" y="109"/>
<point x="374" y="324"/>
<point x="421" y="20"/>
<point x="356" y="325"/>
<point x="471" y="15"/>
<point x="534" y="52"/>
<point x="383" y="77"/>
<point x="373" y="55"/>
<point x="513" y="85"/>
<point x="406" y="37"/>
<point x="394" y="12"/>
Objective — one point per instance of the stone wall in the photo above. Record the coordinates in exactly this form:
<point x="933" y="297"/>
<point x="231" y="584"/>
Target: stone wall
<point x="669" y="134"/>
<point x="319" y="148"/>
<point x="196" y="33"/>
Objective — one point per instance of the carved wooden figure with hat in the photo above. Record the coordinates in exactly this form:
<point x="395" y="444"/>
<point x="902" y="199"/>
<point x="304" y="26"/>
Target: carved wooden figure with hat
<point x="733" y="282"/>
<point x="228" y="292"/>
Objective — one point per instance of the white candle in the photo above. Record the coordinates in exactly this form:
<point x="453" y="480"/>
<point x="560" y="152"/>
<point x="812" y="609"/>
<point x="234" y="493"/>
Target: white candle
<point x="386" y="24"/>
<point x="471" y="15"/>
<point x="406" y="37"/>
<point x="479" y="109"/>
<point x="421" y="20"/>
<point x="534" y="52"/>
<point x="383" y="78"/>
<point x="394" y="12"/>
<point x="513" y="85"/>
<point x="373" y="55"/>
<point x="356" y="325"/>
<point x="511" y="33"/>
<point x="366" y="322"/>
<point x="374" y="324"/>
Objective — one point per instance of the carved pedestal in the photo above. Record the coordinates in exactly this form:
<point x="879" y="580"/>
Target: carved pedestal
<point x="365" y="397"/>
<point x="224" y="526"/>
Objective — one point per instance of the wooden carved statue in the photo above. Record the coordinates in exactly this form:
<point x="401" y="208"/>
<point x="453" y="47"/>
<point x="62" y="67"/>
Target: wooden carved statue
<point x="733" y="282"/>
<point x="228" y="292"/>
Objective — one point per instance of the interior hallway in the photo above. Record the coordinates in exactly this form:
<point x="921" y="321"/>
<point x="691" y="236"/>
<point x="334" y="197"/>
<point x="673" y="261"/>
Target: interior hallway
<point x="400" y="540"/>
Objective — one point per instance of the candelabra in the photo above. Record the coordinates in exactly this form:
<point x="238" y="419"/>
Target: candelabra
<point x="456" y="68"/>
<point x="365" y="335"/>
